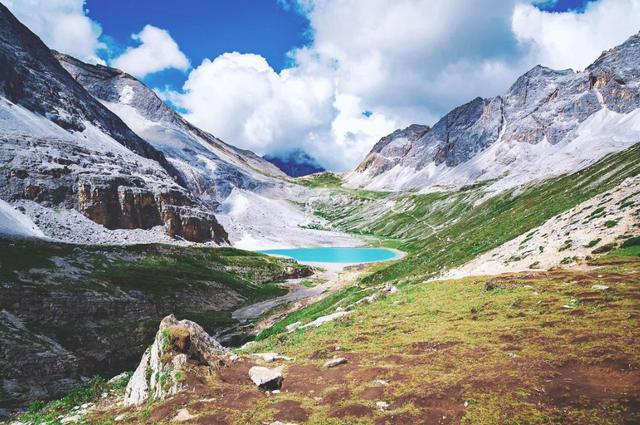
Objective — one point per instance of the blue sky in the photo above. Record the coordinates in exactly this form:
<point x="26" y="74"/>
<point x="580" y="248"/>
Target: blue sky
<point x="206" y="29"/>
<point x="562" y="5"/>
<point x="203" y="29"/>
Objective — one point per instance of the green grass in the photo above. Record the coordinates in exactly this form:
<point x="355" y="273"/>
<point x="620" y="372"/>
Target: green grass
<point x="47" y="413"/>
<point x="447" y="230"/>
<point x="508" y="215"/>
<point x="515" y="335"/>
<point x="593" y="243"/>
<point x="321" y="180"/>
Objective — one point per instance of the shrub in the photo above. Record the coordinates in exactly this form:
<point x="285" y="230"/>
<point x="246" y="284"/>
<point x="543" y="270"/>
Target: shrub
<point x="633" y="241"/>
<point x="593" y="243"/>
<point x="604" y="248"/>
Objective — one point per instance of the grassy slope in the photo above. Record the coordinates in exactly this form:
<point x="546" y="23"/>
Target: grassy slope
<point x="532" y="348"/>
<point x="153" y="268"/>
<point x="107" y="300"/>
<point x="526" y="348"/>
<point x="453" y="231"/>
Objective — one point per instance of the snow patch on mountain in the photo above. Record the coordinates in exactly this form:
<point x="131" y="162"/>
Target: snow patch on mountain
<point x="15" y="223"/>
<point x="256" y="221"/>
<point x="548" y="123"/>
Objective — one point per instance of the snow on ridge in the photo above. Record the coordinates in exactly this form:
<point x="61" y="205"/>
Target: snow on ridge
<point x="269" y="221"/>
<point x="515" y="163"/>
<point x="16" y="224"/>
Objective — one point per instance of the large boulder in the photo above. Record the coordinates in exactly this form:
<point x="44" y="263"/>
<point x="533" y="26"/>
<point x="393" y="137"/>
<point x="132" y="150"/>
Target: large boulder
<point x="163" y="366"/>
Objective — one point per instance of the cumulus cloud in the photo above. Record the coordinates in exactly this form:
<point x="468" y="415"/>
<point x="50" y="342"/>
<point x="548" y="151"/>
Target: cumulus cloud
<point x="157" y="51"/>
<point x="241" y="99"/>
<point x="62" y="25"/>
<point x="574" y="40"/>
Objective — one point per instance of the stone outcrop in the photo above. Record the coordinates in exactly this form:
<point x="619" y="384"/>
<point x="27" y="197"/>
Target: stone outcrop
<point x="266" y="378"/>
<point x="112" y="190"/>
<point x="163" y="366"/>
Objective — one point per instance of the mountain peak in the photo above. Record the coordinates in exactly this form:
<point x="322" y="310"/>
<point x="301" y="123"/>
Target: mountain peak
<point x="534" y="122"/>
<point x="295" y="163"/>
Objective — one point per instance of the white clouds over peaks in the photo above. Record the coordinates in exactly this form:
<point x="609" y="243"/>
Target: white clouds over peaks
<point x="157" y="51"/>
<point x="61" y="24"/>
<point x="406" y="61"/>
<point x="574" y="40"/>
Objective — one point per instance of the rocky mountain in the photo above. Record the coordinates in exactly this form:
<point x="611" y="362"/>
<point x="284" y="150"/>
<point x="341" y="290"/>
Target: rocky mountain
<point x="61" y="148"/>
<point x="295" y="163"/>
<point x="250" y="196"/>
<point x="548" y="123"/>
<point x="210" y="167"/>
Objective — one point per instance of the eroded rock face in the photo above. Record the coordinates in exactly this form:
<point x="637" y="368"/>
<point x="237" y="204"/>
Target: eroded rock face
<point x="113" y="190"/>
<point x="210" y="167"/>
<point x="68" y="311"/>
<point x="162" y="368"/>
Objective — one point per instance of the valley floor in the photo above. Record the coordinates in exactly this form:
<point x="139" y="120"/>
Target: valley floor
<point x="559" y="346"/>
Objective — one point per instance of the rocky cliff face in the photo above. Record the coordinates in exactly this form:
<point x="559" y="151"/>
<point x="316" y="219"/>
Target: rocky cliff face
<point x="556" y="121"/>
<point x="62" y="148"/>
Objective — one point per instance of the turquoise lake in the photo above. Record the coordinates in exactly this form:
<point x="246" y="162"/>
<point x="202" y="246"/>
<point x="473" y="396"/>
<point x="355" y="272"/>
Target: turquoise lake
<point x="336" y="255"/>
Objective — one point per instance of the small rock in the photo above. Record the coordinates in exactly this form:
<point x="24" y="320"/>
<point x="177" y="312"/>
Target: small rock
<point x="334" y="362"/>
<point x="120" y="417"/>
<point x="247" y="345"/>
<point x="117" y="378"/>
<point x="70" y="419"/>
<point x="292" y="327"/>
<point x="183" y="415"/>
<point x="265" y="378"/>
<point x="382" y="405"/>
<point x="270" y="357"/>
<point x="600" y="287"/>
<point x="390" y="289"/>
<point x="325" y="319"/>
<point x="381" y="382"/>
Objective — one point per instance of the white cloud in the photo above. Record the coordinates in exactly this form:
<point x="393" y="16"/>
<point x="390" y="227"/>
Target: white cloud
<point x="241" y="99"/>
<point x="574" y="40"/>
<point x="405" y="60"/>
<point x="61" y="24"/>
<point x="157" y="51"/>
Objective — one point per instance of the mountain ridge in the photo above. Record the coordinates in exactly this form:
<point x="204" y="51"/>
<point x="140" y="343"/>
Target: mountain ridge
<point x="539" y="116"/>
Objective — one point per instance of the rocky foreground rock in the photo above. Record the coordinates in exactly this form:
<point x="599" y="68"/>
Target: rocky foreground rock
<point x="163" y="366"/>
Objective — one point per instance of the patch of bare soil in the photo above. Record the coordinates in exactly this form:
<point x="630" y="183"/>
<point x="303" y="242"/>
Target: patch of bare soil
<point x="290" y="411"/>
